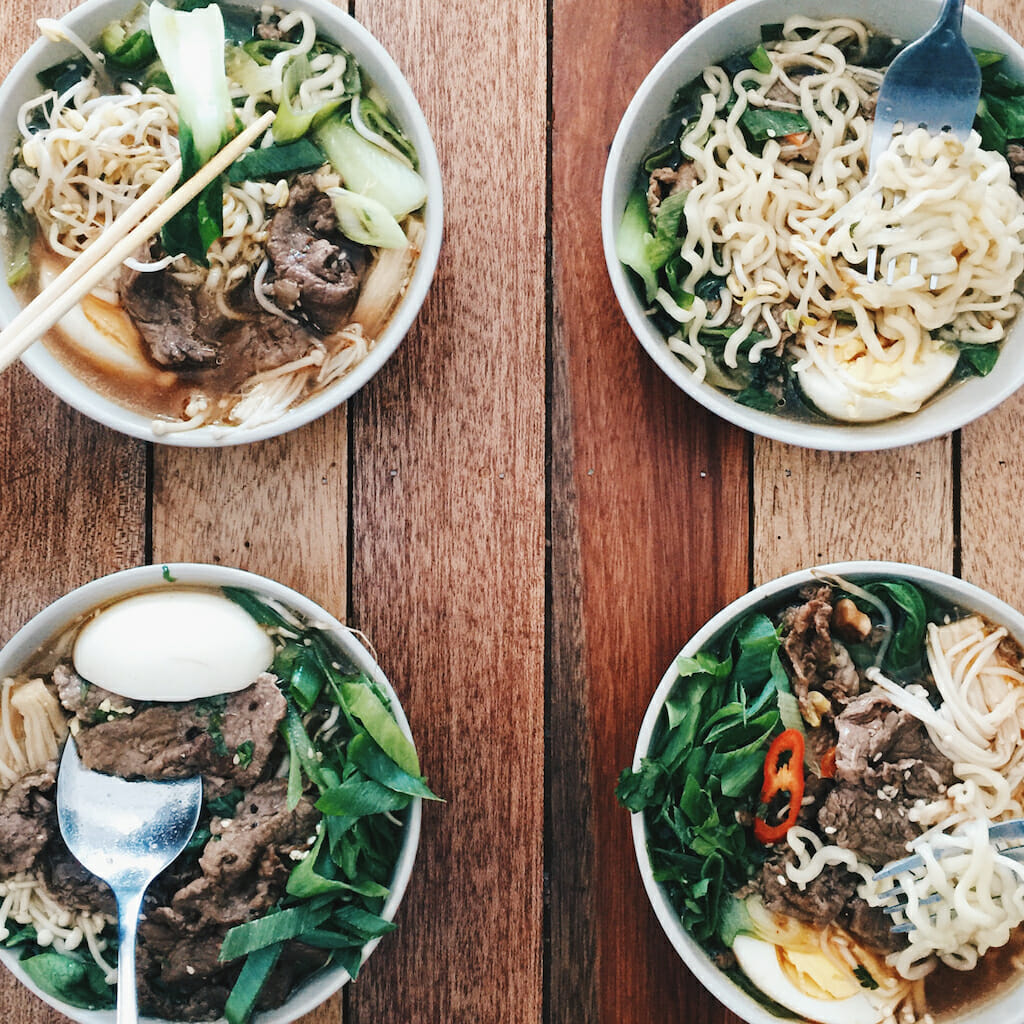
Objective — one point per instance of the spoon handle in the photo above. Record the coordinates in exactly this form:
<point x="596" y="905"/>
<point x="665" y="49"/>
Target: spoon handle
<point x="129" y="906"/>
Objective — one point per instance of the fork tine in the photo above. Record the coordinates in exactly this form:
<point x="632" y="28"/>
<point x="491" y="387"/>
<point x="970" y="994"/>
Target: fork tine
<point x="895" y="908"/>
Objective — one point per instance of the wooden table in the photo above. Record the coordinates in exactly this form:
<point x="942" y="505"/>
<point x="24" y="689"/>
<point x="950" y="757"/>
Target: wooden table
<point x="526" y="518"/>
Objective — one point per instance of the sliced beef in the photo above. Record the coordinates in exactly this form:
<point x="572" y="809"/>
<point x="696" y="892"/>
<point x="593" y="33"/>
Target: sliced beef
<point x="819" y="903"/>
<point x="317" y="271"/>
<point x="178" y="975"/>
<point x="1015" y="158"/>
<point x="178" y="324"/>
<point x="27" y="820"/>
<point x="872" y="926"/>
<point x="670" y="181"/>
<point x="169" y="741"/>
<point x="246" y="863"/>
<point x="88" y="703"/>
<point x="888" y="750"/>
<point x="877" y="830"/>
<point x="71" y="884"/>
<point x="266" y="341"/>
<point x="819" y="663"/>
<point x="243" y="872"/>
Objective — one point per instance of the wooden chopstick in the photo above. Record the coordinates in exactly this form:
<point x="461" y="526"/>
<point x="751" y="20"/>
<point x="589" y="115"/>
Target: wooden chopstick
<point x="116" y="243"/>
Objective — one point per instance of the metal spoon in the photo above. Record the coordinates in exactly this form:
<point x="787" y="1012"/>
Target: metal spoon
<point x="125" y="833"/>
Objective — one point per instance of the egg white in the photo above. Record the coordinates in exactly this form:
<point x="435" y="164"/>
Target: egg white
<point x="173" y="645"/>
<point x="759" y="960"/>
<point x="848" y="384"/>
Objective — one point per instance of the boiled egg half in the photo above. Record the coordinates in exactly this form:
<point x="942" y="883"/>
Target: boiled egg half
<point x="847" y="383"/>
<point x="808" y="983"/>
<point x="172" y="645"/>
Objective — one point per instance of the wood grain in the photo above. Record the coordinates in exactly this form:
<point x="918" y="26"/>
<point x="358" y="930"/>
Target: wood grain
<point x="812" y="507"/>
<point x="658" y="490"/>
<point x="448" y="524"/>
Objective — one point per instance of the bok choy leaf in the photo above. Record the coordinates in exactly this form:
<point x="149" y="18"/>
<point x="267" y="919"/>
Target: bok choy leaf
<point x="191" y="46"/>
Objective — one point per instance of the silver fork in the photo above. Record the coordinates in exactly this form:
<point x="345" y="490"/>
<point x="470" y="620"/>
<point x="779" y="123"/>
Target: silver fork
<point x="1009" y="832"/>
<point x="934" y="83"/>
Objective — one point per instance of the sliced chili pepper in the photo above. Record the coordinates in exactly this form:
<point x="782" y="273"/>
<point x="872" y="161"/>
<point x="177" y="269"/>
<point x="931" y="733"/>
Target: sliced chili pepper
<point x="783" y="773"/>
<point x="828" y="764"/>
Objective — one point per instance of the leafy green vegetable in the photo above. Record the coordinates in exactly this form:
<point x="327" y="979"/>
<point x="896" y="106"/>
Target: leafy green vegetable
<point x="277" y="161"/>
<point x="273" y="928"/>
<point x="976" y="360"/>
<point x="127" y="51"/>
<point x="191" y="47"/>
<point x="292" y="120"/>
<point x="762" y="123"/>
<point x="910" y="622"/>
<point x="666" y="240"/>
<point x="631" y="243"/>
<point x="863" y="975"/>
<point x="705" y="764"/>
<point x="369" y="170"/>
<point x="20" y="230"/>
<point x="365" y="220"/>
<point x="760" y="59"/>
<point x="255" y="971"/>
<point x="366" y="755"/>
<point x="365" y="705"/>
<point x="75" y="981"/>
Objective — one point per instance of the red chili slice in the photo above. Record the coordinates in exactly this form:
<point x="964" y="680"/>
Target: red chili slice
<point x="783" y="773"/>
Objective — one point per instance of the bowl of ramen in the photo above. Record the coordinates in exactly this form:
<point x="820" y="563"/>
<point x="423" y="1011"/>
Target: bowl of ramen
<point x="739" y="228"/>
<point x="286" y="284"/>
<point x="312" y="795"/>
<point x="823" y="726"/>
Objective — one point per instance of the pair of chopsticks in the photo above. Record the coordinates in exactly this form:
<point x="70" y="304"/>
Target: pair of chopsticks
<point x="121" y="239"/>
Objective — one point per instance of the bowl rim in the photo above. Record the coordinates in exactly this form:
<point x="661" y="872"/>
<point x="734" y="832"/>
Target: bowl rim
<point x="686" y="947"/>
<point x="387" y="76"/>
<point x="980" y="395"/>
<point x="61" y="613"/>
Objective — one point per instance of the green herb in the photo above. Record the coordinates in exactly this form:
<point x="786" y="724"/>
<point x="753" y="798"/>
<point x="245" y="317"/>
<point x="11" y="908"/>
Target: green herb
<point x="976" y="360"/>
<point x="910" y="621"/>
<point x="20" y="229"/>
<point x="243" y="753"/>
<point x="72" y="980"/>
<point x="255" y="971"/>
<point x="212" y="709"/>
<point x="704" y="765"/>
<point x="277" y="161"/>
<point x="760" y="59"/>
<point x="863" y="975"/>
<point x="168" y="578"/>
<point x="763" y="124"/>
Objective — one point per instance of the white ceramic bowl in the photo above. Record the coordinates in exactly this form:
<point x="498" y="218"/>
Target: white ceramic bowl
<point x="1007" y="1009"/>
<point x="59" y="616"/>
<point x="736" y="29"/>
<point x="88" y="20"/>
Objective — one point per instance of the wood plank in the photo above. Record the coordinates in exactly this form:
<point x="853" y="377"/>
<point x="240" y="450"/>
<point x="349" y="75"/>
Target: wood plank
<point x="658" y="490"/>
<point x="992" y="464"/>
<point x="448" y="566"/>
<point x="813" y="507"/>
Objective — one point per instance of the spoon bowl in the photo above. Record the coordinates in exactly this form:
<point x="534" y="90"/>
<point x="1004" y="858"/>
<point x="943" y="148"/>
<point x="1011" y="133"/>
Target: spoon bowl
<point x="125" y="833"/>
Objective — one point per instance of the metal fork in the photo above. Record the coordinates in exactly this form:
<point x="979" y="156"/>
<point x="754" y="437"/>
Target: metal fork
<point x="934" y="83"/>
<point x="1010" y="832"/>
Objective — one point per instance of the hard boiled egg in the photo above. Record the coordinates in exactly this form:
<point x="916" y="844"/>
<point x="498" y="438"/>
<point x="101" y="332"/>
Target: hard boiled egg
<point x="103" y="334"/>
<point x="849" y="384"/>
<point x="806" y="983"/>
<point x="172" y="645"/>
